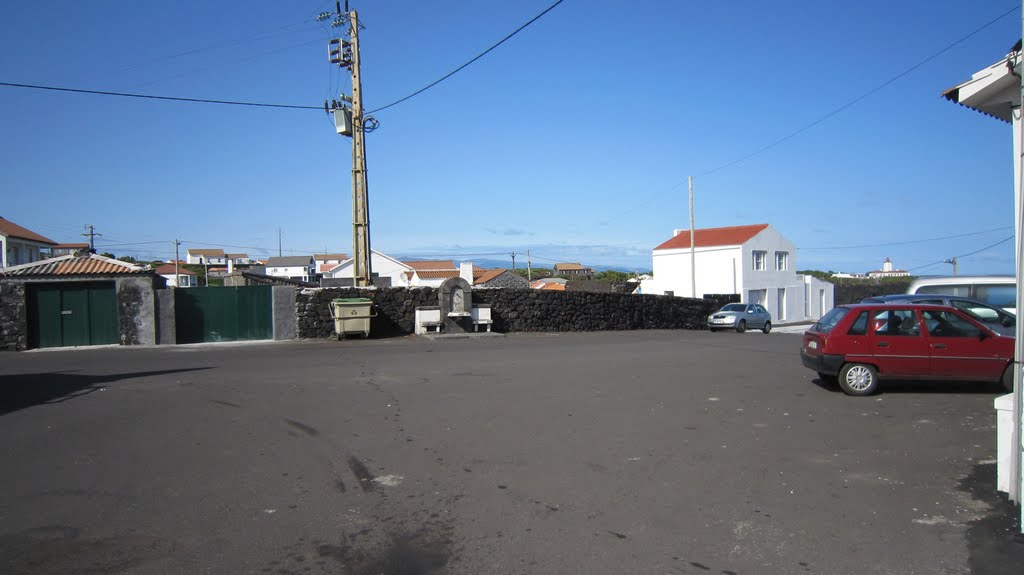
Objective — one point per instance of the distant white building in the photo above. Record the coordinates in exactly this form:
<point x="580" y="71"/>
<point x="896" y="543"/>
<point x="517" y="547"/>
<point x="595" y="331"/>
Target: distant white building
<point x="292" y="267"/>
<point x="203" y="256"/>
<point x="755" y="262"/>
<point x="887" y="271"/>
<point x="381" y="265"/>
<point x="177" y="276"/>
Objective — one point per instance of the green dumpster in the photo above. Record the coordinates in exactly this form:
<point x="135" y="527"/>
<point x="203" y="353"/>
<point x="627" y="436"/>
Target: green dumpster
<point x="352" y="315"/>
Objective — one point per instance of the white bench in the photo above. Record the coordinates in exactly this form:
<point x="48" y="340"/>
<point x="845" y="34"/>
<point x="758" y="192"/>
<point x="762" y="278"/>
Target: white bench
<point x="481" y="316"/>
<point x="428" y="319"/>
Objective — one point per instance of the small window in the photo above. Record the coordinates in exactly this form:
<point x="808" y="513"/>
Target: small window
<point x="860" y="325"/>
<point x="948" y="324"/>
<point x="760" y="260"/>
<point x="899" y="322"/>
<point x="830" y="319"/>
<point x="781" y="261"/>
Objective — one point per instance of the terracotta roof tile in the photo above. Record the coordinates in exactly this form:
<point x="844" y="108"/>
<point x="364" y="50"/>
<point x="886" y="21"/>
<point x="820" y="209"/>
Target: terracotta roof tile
<point x="75" y="266"/>
<point x="731" y="236"/>
<point x="431" y="265"/>
<point x="206" y="252"/>
<point x="168" y="270"/>
<point x="13" y="230"/>
<point x="437" y="274"/>
<point x="487" y="276"/>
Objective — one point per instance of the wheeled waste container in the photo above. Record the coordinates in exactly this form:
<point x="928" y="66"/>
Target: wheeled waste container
<point x="352" y="315"/>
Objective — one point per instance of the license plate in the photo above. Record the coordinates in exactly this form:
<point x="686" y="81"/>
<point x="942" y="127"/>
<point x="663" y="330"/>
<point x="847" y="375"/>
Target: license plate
<point x="812" y="345"/>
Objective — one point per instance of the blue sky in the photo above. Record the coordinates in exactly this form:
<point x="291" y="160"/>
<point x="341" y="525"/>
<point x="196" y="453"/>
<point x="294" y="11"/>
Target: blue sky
<point x="573" y="140"/>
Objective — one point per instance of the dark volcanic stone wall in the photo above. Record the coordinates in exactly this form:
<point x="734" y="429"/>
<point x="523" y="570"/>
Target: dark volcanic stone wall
<point x="13" y="317"/>
<point x="511" y="310"/>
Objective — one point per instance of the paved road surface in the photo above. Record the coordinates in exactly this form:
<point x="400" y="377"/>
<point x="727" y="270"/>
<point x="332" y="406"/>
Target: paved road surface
<point x="633" y="452"/>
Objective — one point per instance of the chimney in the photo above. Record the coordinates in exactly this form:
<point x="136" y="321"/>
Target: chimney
<point x="466" y="271"/>
<point x="231" y="265"/>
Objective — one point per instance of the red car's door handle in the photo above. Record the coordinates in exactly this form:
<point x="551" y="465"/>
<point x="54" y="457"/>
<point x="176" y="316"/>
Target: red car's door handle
<point x="883" y="344"/>
<point x="939" y="345"/>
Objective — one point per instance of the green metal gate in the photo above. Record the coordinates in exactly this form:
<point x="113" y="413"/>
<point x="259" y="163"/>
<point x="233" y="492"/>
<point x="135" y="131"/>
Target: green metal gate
<point x="223" y="314"/>
<point x="72" y="314"/>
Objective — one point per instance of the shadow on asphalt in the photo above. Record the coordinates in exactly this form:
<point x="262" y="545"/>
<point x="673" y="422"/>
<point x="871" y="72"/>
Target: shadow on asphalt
<point x="994" y="542"/>
<point x="25" y="390"/>
<point x="913" y="386"/>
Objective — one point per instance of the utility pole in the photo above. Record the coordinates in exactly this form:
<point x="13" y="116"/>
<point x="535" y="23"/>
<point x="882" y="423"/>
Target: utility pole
<point x="693" y="261"/>
<point x="956" y="267"/>
<point x="92" y="237"/>
<point x="279" y="241"/>
<point x="513" y="254"/>
<point x="176" y="280"/>
<point x="345" y="53"/>
<point x="529" y="267"/>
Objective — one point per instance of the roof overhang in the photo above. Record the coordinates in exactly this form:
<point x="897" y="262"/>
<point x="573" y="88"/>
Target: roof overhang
<point x="993" y="91"/>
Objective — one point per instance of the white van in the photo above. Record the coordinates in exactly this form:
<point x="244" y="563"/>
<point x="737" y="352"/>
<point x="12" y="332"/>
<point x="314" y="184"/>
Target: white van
<point x="999" y="291"/>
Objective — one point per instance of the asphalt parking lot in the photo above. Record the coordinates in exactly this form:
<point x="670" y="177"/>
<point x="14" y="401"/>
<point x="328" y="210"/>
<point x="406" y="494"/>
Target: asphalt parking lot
<point x="615" y="452"/>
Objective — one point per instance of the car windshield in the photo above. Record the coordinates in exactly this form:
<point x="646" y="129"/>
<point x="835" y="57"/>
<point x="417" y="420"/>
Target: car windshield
<point x="829" y="320"/>
<point x="735" y="307"/>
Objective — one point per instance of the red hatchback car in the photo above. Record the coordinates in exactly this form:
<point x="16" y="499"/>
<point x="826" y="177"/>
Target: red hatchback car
<point x="858" y="344"/>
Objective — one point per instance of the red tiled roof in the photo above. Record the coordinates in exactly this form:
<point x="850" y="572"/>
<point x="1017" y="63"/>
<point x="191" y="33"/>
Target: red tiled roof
<point x="13" y="230"/>
<point x="542" y="285"/>
<point x="487" y="275"/>
<point x="81" y="246"/>
<point x="437" y="274"/>
<point x="731" y="236"/>
<point x="569" y="267"/>
<point x="324" y="257"/>
<point x="168" y="270"/>
<point x="75" y="266"/>
<point x="205" y="252"/>
<point x="431" y="265"/>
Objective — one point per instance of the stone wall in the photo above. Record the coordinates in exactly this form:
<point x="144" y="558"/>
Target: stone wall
<point x="13" y="317"/>
<point x="512" y="310"/>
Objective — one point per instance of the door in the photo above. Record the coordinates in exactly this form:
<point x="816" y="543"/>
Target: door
<point x="72" y="314"/>
<point x="958" y="351"/>
<point x="210" y="314"/>
<point x="781" y="315"/>
<point x="899" y="347"/>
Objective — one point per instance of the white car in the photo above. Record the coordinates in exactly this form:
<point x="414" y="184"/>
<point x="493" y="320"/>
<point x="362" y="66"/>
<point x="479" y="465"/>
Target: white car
<point x="740" y="316"/>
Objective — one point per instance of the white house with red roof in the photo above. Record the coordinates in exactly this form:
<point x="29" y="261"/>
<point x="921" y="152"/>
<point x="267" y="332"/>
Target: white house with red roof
<point x="19" y="245"/>
<point x="177" y="276"/>
<point x="755" y="262"/>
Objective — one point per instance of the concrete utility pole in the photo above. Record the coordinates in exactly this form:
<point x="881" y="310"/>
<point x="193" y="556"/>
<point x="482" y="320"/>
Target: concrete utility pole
<point x="693" y="261"/>
<point x="956" y="267"/>
<point x="177" y="283"/>
<point x="529" y="267"/>
<point x="92" y="237"/>
<point x="345" y="53"/>
<point x="513" y="254"/>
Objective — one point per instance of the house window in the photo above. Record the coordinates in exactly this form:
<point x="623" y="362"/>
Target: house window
<point x="781" y="261"/>
<point x="760" y="258"/>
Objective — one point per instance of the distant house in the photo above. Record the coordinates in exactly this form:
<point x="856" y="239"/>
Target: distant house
<point x="19" y="245"/>
<point x="203" y="256"/>
<point x="326" y="262"/>
<point x="381" y="266"/>
<point x="239" y="259"/>
<point x="887" y="271"/>
<point x="292" y="267"/>
<point x="573" y="270"/>
<point x="430" y="273"/>
<point x="498" y="278"/>
<point x="69" y="249"/>
<point x="177" y="276"/>
<point x="552" y="284"/>
<point x="754" y="261"/>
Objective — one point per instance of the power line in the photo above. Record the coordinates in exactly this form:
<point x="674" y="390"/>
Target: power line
<point x="862" y="96"/>
<point x="477" y="57"/>
<point x="152" y="97"/>
<point x="908" y="242"/>
<point x="815" y="122"/>
<point x="1002" y="241"/>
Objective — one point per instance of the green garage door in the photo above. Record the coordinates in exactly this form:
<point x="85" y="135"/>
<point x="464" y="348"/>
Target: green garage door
<point x="72" y="314"/>
<point x="223" y="314"/>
